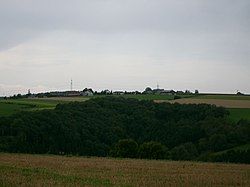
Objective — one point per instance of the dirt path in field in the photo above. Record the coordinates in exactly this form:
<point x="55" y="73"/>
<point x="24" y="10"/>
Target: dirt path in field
<point x="217" y="102"/>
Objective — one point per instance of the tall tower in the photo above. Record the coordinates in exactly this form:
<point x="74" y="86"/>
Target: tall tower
<point x="71" y="85"/>
<point x="158" y="87"/>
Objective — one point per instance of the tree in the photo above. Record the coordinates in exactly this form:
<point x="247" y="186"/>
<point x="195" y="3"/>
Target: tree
<point x="203" y="144"/>
<point x="239" y="93"/>
<point x="152" y="150"/>
<point x="125" y="148"/>
<point x="148" y="90"/>
<point x="218" y="142"/>
<point x="185" y="151"/>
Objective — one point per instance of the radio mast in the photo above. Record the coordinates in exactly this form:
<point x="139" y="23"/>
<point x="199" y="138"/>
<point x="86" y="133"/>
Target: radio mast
<point x="71" y="85"/>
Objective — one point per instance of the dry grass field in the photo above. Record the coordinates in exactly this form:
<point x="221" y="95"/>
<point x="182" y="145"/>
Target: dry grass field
<point x="40" y="170"/>
<point x="218" y="102"/>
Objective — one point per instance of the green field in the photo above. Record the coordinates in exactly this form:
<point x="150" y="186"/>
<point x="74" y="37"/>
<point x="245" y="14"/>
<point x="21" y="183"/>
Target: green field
<point x="49" y="170"/>
<point x="223" y="97"/>
<point x="241" y="147"/>
<point x="239" y="113"/>
<point x="11" y="106"/>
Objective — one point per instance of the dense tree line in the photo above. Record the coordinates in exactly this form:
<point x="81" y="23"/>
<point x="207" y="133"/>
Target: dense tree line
<point x="120" y="127"/>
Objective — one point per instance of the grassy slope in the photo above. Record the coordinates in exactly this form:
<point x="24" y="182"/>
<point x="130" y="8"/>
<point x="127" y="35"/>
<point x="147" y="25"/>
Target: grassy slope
<point x="238" y="148"/>
<point x="241" y="147"/>
<point x="8" y="107"/>
<point x="239" y="113"/>
<point x="39" y="170"/>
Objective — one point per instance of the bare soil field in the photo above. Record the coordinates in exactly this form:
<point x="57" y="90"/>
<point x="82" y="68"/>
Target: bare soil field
<point x="217" y="102"/>
<point x="41" y="170"/>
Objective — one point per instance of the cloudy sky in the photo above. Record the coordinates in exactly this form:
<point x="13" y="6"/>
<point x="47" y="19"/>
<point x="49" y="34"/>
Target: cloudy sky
<point x="124" y="45"/>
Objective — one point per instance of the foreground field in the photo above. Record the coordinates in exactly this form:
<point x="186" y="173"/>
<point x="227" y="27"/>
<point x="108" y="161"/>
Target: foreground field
<point x="37" y="170"/>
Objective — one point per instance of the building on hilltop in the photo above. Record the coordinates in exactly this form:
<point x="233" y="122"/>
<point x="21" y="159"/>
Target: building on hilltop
<point x="87" y="92"/>
<point x="118" y="92"/>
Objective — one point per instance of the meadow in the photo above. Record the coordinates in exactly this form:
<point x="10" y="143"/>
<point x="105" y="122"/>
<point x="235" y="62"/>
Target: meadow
<point x="48" y="170"/>
<point x="11" y="106"/>
<point x="239" y="113"/>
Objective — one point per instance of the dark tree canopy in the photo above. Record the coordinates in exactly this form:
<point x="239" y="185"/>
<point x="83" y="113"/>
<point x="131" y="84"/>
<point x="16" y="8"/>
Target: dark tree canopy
<point x="95" y="127"/>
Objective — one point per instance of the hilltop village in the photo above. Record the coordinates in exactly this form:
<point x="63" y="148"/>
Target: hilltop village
<point x="90" y="92"/>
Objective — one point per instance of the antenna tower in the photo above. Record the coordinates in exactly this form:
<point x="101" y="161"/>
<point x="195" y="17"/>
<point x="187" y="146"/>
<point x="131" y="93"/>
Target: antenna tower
<point x="71" y="85"/>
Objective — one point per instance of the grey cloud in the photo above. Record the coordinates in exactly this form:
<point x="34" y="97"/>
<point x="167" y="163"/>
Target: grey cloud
<point x="161" y="32"/>
<point x="192" y="16"/>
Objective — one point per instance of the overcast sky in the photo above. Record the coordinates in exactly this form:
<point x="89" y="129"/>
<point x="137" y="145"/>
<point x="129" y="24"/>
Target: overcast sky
<point x="124" y="45"/>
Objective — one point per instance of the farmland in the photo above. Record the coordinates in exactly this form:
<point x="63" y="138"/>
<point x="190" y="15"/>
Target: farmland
<point x="223" y="97"/>
<point x="8" y="107"/>
<point x="46" y="170"/>
<point x="104" y="127"/>
<point x="239" y="106"/>
<point x="11" y="106"/>
<point x="239" y="113"/>
<point x="218" y="102"/>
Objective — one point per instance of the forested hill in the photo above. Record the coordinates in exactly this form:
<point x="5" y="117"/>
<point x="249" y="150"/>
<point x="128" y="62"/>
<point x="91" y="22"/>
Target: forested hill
<point x="114" y="126"/>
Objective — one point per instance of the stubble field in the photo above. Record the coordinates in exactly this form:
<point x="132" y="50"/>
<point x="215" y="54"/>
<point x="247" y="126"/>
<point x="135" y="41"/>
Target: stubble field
<point x="41" y="170"/>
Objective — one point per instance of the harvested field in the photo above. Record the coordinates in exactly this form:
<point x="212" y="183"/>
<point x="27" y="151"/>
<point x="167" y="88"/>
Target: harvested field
<point x="62" y="99"/>
<point x="226" y="97"/>
<point x="40" y="170"/>
<point x="217" y="102"/>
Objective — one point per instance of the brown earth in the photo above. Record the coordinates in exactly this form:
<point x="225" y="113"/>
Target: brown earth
<point x="217" y="102"/>
<point x="41" y="170"/>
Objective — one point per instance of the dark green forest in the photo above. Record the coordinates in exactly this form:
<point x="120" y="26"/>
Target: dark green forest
<point x="120" y="127"/>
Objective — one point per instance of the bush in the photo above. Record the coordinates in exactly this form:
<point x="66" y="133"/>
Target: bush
<point x="218" y="142"/>
<point x="126" y="148"/>
<point x="186" y="151"/>
<point x="152" y="150"/>
<point x="177" y="97"/>
<point x="235" y="156"/>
